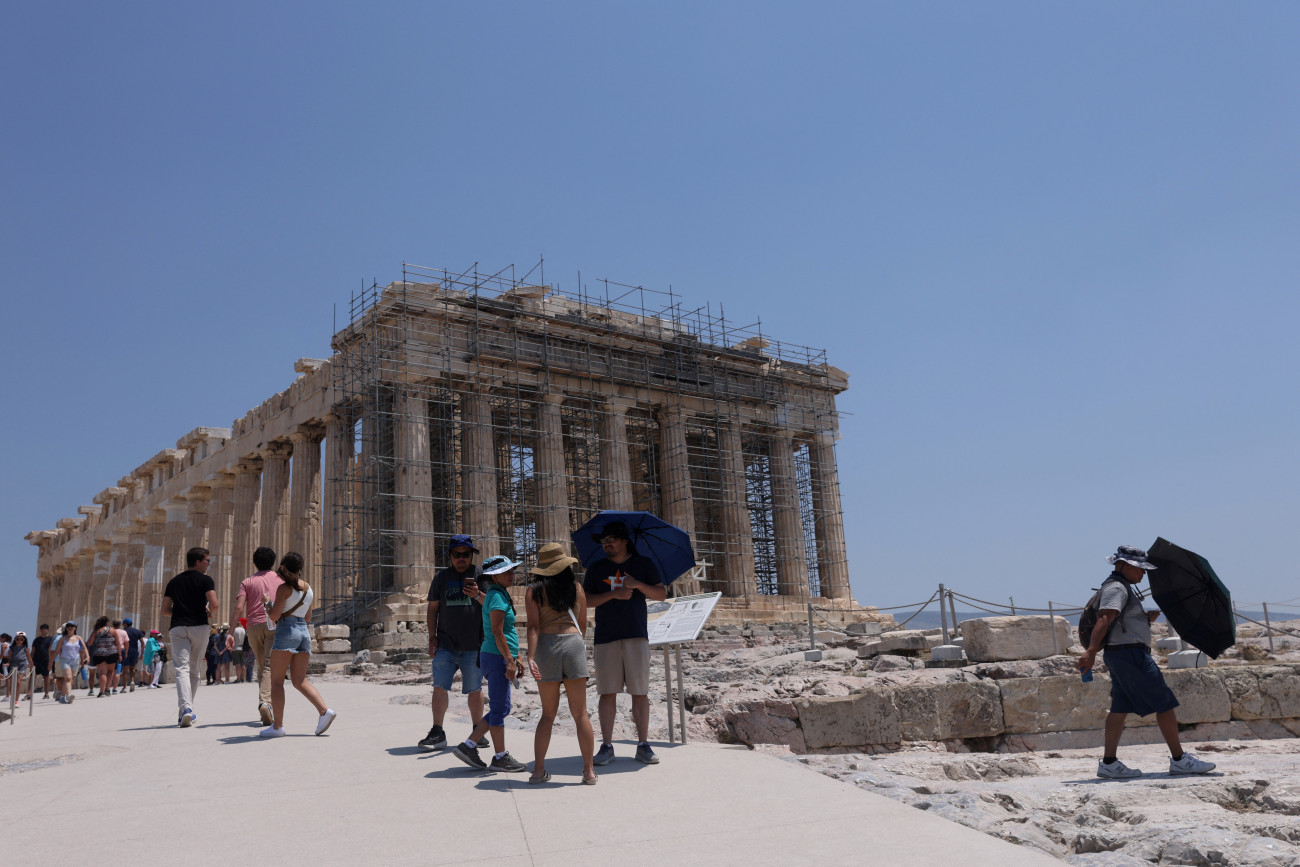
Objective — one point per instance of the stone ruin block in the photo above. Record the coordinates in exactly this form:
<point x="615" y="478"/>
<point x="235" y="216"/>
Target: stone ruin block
<point x="867" y="717"/>
<point x="335" y="645"/>
<point x="1031" y="705"/>
<point x="904" y="641"/>
<point x="940" y="711"/>
<point x="998" y="639"/>
<point x="865" y="627"/>
<point x="1263" y="692"/>
<point x="332" y="631"/>
<point x="1202" y="696"/>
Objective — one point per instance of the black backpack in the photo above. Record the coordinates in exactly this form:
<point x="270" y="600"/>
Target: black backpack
<point x="1088" y="619"/>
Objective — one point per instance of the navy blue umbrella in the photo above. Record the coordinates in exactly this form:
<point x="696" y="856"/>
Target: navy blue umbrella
<point x="668" y="547"/>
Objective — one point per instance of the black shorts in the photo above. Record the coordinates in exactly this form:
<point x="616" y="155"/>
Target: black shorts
<point x="106" y="659"/>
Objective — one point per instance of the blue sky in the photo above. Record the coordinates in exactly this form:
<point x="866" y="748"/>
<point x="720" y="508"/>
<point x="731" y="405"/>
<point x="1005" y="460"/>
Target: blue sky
<point x="1054" y="245"/>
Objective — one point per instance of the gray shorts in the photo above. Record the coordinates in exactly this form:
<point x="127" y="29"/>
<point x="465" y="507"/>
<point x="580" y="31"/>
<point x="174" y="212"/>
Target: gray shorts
<point x="561" y="657"/>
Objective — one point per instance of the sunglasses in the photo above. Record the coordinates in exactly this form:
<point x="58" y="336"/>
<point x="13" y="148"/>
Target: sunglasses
<point x="461" y="555"/>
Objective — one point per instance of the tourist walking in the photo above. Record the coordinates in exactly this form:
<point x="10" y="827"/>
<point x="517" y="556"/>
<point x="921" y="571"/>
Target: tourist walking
<point x="41" y="657"/>
<point x="556" y="608"/>
<point x="122" y="639"/>
<point x="1123" y="629"/>
<point x="104" y="655"/>
<point x="499" y="660"/>
<point x="235" y="644"/>
<point x="291" y="650"/>
<point x="223" y="655"/>
<point x="19" y="660"/>
<point x="134" y="644"/>
<point x="69" y="653"/>
<point x="248" y="605"/>
<point x="190" y="598"/>
<point x="454" y="620"/>
<point x="212" y="655"/>
<point x="153" y="657"/>
<point x="618" y="586"/>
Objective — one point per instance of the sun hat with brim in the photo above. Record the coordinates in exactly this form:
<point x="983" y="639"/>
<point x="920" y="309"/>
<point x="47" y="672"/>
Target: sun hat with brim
<point x="498" y="564"/>
<point x="551" y="560"/>
<point x="1133" y="556"/>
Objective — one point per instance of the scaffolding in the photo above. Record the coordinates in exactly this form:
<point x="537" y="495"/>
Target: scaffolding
<point x="497" y="405"/>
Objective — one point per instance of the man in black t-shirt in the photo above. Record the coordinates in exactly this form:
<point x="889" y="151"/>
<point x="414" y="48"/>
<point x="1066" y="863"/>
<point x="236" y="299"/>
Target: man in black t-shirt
<point x="189" y="600"/>
<point x="455" y="623"/>
<point x="41" y="655"/>
<point x="618" y="587"/>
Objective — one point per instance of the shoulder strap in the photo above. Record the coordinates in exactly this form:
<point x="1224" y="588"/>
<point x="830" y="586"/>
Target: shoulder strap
<point x="575" y="621"/>
<point x="306" y="588"/>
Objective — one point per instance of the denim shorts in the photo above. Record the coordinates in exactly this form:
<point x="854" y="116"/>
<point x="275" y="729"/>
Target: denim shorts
<point x="291" y="634"/>
<point x="445" y="663"/>
<point x="1136" y="685"/>
<point x="494" y="666"/>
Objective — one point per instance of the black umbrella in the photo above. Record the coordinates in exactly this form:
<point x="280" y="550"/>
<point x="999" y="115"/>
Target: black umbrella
<point x="1193" y="599"/>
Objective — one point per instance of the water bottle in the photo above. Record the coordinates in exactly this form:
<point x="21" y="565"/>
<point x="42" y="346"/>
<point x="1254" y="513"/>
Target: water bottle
<point x="1087" y="675"/>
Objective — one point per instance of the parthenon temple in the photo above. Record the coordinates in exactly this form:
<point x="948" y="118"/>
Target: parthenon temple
<point x="499" y="408"/>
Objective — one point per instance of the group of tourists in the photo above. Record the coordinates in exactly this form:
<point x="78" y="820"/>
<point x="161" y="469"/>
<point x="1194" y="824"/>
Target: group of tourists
<point x="471" y="623"/>
<point x="114" y="658"/>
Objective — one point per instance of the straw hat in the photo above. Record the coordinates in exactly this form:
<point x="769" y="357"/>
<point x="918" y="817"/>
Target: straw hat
<point x="551" y="560"/>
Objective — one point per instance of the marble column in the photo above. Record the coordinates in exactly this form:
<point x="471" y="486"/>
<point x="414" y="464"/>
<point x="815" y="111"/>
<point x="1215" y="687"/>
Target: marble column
<point x="115" y="593"/>
<point x="305" y="500"/>
<point x="174" y="540"/>
<point x="739" y="573"/>
<point x="244" y="523"/>
<point x="791" y="556"/>
<point x="548" y="471"/>
<point x="274" y="529"/>
<point x="198" y="499"/>
<point x="153" y="571"/>
<point x="615" y="467"/>
<point x="480" y="468"/>
<point x="675" y="470"/>
<point x="85" y="572"/>
<point x="414" y="551"/>
<point x="336" y="535"/>
<point x="833" y="566"/>
<point x="133" y="597"/>
<point x="221" y="516"/>
<point x="98" y="607"/>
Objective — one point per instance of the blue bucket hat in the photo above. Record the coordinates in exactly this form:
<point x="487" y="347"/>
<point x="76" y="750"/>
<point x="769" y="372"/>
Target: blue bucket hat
<point x="461" y="540"/>
<point x="498" y="564"/>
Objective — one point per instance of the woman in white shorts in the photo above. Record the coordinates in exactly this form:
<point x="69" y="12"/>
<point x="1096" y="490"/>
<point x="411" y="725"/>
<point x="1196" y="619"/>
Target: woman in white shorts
<point x="557" y="654"/>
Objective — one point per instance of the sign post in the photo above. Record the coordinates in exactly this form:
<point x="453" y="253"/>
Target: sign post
<point x="671" y="623"/>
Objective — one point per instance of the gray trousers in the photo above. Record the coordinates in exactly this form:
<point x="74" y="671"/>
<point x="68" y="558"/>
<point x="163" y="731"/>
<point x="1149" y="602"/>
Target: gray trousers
<point x="189" y="643"/>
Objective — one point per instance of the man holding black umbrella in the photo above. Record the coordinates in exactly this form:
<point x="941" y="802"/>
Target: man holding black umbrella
<point x="1136" y="685"/>
<point x="618" y="587"/>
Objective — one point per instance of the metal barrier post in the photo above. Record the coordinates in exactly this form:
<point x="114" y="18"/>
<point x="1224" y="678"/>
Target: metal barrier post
<point x="812" y="637"/>
<point x="668" y="688"/>
<point x="943" y="616"/>
<point x="952" y="609"/>
<point x="1013" y="605"/>
<point x="1051" y="619"/>
<point x="1268" y="624"/>
<point x="681" y="693"/>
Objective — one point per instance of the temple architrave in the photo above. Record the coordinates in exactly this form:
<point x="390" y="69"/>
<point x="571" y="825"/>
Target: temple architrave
<point x="513" y="412"/>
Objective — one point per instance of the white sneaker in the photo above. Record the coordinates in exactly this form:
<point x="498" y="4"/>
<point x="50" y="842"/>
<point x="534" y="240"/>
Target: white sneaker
<point x="272" y="732"/>
<point x="1117" y="770"/>
<point x="328" y="717"/>
<point x="1190" y="764"/>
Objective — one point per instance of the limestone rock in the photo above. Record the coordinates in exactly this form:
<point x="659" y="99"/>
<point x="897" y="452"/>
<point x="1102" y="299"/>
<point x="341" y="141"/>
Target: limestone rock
<point x="869" y="717"/>
<point x="362" y="656"/>
<point x="332" y="631"/>
<point x="766" y="722"/>
<point x="994" y="639"/>
<point x="336" y="645"/>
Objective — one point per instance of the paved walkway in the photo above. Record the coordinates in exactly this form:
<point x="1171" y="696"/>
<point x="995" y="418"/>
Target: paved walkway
<point x="110" y="777"/>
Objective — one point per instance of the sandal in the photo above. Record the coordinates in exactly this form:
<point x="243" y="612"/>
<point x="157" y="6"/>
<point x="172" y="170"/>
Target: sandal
<point x="537" y="781"/>
<point x="591" y="781"/>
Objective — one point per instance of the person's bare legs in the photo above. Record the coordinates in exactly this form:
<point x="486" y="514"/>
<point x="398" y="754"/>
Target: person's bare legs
<point x="1168" y="723"/>
<point x="298" y="674"/>
<point x="104" y="674"/>
<point x="607" y="708"/>
<point x="1114" y="728"/>
<point x="280" y="660"/>
<point x="576" y="690"/>
<point x="641" y="716"/>
<point x="440" y="700"/>
<point x="549" y="693"/>
<point x="475" y="702"/>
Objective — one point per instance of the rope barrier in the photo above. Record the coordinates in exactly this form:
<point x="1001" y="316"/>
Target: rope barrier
<point x="913" y="617"/>
<point x="1280" y="629"/>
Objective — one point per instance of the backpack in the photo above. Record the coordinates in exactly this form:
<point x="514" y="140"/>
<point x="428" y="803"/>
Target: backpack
<point x="1088" y="619"/>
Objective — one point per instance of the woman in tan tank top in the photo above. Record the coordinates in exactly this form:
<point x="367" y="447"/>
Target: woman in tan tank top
<point x="557" y="654"/>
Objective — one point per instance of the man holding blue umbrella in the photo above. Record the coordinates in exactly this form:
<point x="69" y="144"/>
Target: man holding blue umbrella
<point x="617" y="586"/>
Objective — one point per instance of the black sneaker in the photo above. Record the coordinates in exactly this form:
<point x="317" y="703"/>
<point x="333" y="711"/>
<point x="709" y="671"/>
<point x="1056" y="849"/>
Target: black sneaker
<point x="483" y="743"/>
<point x="435" y="740"/>
<point x="508" y="763"/>
<point x="469" y="755"/>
